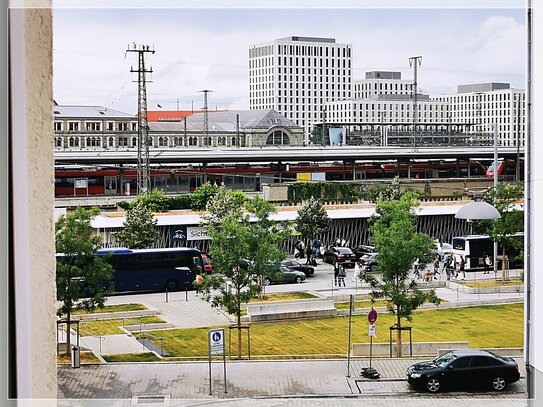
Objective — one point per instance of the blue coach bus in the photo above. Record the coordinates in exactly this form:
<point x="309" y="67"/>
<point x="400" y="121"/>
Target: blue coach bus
<point x="154" y="269"/>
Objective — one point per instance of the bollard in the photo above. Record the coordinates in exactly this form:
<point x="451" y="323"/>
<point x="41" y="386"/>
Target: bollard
<point x="75" y="357"/>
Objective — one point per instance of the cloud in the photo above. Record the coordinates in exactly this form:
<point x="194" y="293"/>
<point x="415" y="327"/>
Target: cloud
<point x="199" y="49"/>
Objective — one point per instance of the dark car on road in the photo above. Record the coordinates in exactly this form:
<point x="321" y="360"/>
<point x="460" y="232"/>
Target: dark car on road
<point x="464" y="368"/>
<point x="281" y="274"/>
<point x="369" y="262"/>
<point x="296" y="265"/>
<point x="341" y="255"/>
<point x="363" y="249"/>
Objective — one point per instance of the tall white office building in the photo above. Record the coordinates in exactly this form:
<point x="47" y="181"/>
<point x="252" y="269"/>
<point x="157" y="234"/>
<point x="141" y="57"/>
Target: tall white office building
<point x="487" y="104"/>
<point x="296" y="76"/>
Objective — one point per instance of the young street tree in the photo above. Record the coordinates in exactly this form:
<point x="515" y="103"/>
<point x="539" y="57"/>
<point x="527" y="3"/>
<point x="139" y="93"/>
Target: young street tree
<point x="139" y="230"/>
<point x="312" y="219"/>
<point x="506" y="230"/>
<point x="394" y="235"/>
<point x="244" y="242"/>
<point x="80" y="275"/>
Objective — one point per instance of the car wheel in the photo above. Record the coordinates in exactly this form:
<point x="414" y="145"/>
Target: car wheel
<point x="172" y="285"/>
<point x="267" y="281"/>
<point x="298" y="279"/>
<point x="311" y="271"/>
<point x="433" y="385"/>
<point x="498" y="383"/>
<point x="373" y="268"/>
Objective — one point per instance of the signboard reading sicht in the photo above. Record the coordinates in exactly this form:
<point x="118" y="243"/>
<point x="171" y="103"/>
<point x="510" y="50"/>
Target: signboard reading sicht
<point x="216" y="341"/>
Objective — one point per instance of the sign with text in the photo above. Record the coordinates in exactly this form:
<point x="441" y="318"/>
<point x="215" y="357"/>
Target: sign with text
<point x="371" y="330"/>
<point x="216" y="341"/>
<point x="183" y="232"/>
<point x="197" y="233"/>
<point x="81" y="183"/>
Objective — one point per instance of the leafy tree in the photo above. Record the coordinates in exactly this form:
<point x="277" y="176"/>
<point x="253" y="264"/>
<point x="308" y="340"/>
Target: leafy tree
<point x="312" y="219"/>
<point x="506" y="229"/>
<point x="202" y="195"/>
<point x="385" y="192"/>
<point x="80" y="275"/>
<point x="139" y="230"/>
<point x="244" y="243"/>
<point x="398" y="245"/>
<point x="155" y="201"/>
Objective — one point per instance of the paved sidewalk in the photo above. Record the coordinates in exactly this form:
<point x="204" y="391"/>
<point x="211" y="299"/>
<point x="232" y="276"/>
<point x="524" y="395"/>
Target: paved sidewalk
<point x="184" y="310"/>
<point x="249" y="379"/>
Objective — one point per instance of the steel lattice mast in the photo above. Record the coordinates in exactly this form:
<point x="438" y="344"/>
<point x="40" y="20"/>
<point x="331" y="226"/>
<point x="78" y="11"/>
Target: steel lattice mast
<point x="414" y="62"/>
<point x="143" y="169"/>
<point x="206" y="118"/>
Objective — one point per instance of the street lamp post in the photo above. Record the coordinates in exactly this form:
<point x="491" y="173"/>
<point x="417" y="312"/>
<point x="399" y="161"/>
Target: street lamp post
<point x="496" y="193"/>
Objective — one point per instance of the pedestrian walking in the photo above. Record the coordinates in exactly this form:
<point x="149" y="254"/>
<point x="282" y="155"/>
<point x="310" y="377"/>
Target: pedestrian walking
<point x="437" y="262"/>
<point x="341" y="275"/>
<point x="336" y="272"/>
<point x="416" y="270"/>
<point x="356" y="272"/>
<point x="309" y="254"/>
<point x="488" y="263"/>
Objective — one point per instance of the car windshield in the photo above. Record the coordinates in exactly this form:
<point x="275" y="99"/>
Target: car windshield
<point x="344" y="250"/>
<point x="445" y="359"/>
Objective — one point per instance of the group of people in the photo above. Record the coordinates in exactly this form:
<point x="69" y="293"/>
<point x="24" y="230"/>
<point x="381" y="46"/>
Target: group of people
<point x="340" y="273"/>
<point x="309" y="252"/>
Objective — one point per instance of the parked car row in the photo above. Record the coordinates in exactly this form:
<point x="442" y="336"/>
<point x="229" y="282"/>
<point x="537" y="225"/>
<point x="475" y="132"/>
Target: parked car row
<point x="339" y="254"/>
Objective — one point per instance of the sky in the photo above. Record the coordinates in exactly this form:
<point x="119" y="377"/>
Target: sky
<point x="207" y="48"/>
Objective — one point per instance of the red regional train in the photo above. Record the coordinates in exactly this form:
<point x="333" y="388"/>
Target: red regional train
<point x="82" y="181"/>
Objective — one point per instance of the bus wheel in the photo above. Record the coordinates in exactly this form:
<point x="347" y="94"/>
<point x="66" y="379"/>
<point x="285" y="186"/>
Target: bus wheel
<point x="172" y="285"/>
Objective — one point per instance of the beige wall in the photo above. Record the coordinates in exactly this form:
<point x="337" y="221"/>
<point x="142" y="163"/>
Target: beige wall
<point x="32" y="236"/>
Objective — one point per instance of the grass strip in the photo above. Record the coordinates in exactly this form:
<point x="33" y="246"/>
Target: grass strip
<point x="492" y="283"/>
<point x="84" y="357"/>
<point x="112" y="308"/>
<point x="114" y="326"/>
<point x="481" y="326"/>
<point x="284" y="297"/>
<point x="132" y="357"/>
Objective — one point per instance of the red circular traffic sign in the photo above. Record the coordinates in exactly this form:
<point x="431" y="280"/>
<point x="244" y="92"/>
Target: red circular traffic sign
<point x="372" y="316"/>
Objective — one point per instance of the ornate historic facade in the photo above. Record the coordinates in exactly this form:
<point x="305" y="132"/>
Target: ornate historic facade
<point x="97" y="128"/>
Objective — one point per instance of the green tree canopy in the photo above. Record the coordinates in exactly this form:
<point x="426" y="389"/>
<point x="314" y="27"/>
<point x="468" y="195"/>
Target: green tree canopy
<point x="82" y="278"/>
<point x="244" y="242"/>
<point x="508" y="229"/>
<point x="312" y="219"/>
<point x="139" y="231"/>
<point x="398" y="245"/>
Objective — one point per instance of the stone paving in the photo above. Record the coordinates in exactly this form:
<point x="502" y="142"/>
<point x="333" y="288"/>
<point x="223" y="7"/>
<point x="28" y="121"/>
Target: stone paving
<point x="184" y="310"/>
<point x="245" y="379"/>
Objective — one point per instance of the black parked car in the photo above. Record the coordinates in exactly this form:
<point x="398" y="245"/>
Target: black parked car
<point x="464" y="368"/>
<point x="342" y="255"/>
<point x="363" y="249"/>
<point x="296" y="265"/>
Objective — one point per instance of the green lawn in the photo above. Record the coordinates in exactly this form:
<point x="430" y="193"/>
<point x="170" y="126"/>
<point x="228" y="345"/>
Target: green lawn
<point x="132" y="357"/>
<point x="492" y="283"/>
<point x="84" y="357"/>
<point x="114" y="326"/>
<point x="480" y="326"/>
<point x="364" y="304"/>
<point x="284" y="297"/>
<point x="113" y="308"/>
